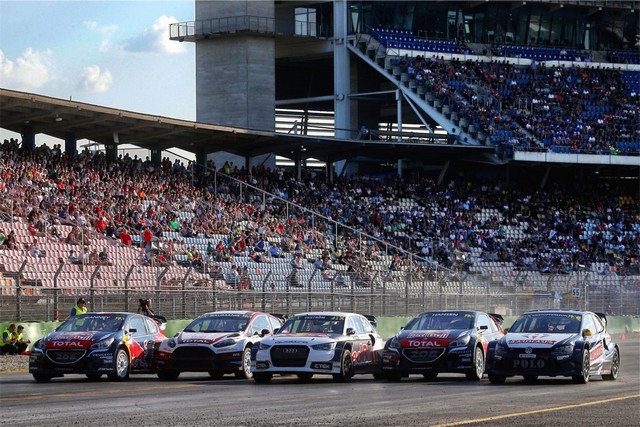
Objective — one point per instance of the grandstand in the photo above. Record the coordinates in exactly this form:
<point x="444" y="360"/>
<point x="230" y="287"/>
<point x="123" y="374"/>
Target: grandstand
<point x="544" y="213"/>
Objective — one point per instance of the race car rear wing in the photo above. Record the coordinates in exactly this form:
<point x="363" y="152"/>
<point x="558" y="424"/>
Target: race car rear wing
<point x="373" y="320"/>
<point x="498" y="318"/>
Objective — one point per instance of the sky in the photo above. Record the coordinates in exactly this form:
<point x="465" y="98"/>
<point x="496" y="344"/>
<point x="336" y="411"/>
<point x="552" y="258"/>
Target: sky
<point x="112" y="53"/>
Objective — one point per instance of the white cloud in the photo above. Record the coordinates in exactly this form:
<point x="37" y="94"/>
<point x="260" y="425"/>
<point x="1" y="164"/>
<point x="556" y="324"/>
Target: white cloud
<point x="155" y="39"/>
<point x="94" y="80"/>
<point x="106" y="31"/>
<point x="28" y="72"/>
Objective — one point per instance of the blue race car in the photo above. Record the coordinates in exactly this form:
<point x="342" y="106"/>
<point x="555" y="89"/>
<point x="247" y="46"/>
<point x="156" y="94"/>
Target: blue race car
<point x="442" y="341"/>
<point x="94" y="344"/>
<point x="555" y="343"/>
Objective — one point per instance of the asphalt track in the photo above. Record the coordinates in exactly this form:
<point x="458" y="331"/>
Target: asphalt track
<point x="195" y="400"/>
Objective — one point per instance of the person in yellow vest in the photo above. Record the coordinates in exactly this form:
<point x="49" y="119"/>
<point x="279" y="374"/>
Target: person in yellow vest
<point x="79" y="308"/>
<point x="21" y="342"/>
<point x="9" y="339"/>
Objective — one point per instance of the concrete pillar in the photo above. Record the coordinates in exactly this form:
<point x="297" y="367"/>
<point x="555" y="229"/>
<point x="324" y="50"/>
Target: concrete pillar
<point x="156" y="156"/>
<point x="28" y="138"/>
<point x="341" y="71"/>
<point x="70" y="144"/>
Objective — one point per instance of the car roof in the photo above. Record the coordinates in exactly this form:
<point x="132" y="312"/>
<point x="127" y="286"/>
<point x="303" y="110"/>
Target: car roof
<point x="555" y="312"/>
<point x="327" y="313"/>
<point x="228" y="312"/>
<point x="451" y="311"/>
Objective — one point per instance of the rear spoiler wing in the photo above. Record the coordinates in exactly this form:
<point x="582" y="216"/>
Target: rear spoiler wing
<point x="497" y="317"/>
<point x="603" y="317"/>
<point x="373" y="320"/>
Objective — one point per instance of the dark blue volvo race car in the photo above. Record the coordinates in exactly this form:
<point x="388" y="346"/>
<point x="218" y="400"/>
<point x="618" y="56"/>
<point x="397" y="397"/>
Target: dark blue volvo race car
<point x="555" y="343"/>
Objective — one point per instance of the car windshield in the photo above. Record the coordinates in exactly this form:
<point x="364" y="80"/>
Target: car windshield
<point x="91" y="322"/>
<point x="440" y="321"/>
<point x="555" y="323"/>
<point x="313" y="323"/>
<point x="218" y="323"/>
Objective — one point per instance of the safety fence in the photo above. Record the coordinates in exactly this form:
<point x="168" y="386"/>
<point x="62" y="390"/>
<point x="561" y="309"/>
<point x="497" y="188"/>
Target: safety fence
<point x="388" y="296"/>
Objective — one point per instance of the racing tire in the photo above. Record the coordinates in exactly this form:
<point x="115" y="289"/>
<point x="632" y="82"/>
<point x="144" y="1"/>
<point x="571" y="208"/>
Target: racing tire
<point x="478" y="366"/>
<point x="530" y="379"/>
<point x="497" y="379"/>
<point x="216" y="375"/>
<point x="431" y="376"/>
<point x="246" y="365"/>
<point x="346" y="368"/>
<point x="94" y="377"/>
<point x="262" y="378"/>
<point x="121" y="366"/>
<point x="379" y="376"/>
<point x="304" y="377"/>
<point x="585" y="364"/>
<point x="168" y="375"/>
<point x="42" y="378"/>
<point x="615" y="366"/>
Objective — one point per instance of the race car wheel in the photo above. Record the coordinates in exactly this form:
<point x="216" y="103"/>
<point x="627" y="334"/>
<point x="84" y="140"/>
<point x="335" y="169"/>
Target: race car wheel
<point x="615" y="366"/>
<point x="262" y="378"/>
<point x="346" y="368"/>
<point x="430" y="376"/>
<point x="121" y="366"/>
<point x="216" y="375"/>
<point x="583" y="378"/>
<point x="304" y="377"/>
<point x="246" y="365"/>
<point x="94" y="377"/>
<point x="168" y="375"/>
<point x="379" y="376"/>
<point x="530" y="378"/>
<point x="41" y="378"/>
<point x="478" y="366"/>
<point x="497" y="379"/>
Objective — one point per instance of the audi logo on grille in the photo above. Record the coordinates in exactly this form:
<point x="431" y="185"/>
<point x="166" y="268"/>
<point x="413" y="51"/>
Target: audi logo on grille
<point x="289" y="350"/>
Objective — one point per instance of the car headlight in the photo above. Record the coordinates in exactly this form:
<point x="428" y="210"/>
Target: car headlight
<point x="500" y="349"/>
<point x="39" y="345"/>
<point x="225" y="343"/>
<point x="564" y="349"/>
<point x="461" y="341"/>
<point x="263" y="346"/>
<point x="329" y="346"/>
<point x="105" y="343"/>
<point x="395" y="343"/>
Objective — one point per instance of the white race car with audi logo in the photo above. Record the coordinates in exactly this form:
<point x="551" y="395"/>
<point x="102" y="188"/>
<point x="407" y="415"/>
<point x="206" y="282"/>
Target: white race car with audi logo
<point x="327" y="343"/>
<point x="218" y="343"/>
<point x="555" y="343"/>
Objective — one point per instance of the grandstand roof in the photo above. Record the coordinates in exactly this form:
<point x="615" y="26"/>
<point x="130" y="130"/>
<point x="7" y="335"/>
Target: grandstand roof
<point x="56" y="117"/>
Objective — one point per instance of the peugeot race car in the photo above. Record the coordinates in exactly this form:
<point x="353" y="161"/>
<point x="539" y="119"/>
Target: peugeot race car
<point x="218" y="343"/>
<point x="93" y="344"/>
<point x="328" y="343"/>
<point x="442" y="341"/>
<point x="555" y="343"/>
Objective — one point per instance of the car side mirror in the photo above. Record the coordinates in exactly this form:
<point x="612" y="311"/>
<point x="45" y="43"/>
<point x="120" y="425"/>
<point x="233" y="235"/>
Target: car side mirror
<point x="586" y="333"/>
<point x="351" y="331"/>
<point x="264" y="332"/>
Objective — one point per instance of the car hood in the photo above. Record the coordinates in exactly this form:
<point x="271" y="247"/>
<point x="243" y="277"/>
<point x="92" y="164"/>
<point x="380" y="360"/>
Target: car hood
<point x="435" y="338"/>
<point x="535" y="340"/>
<point x="75" y="340"/>
<point x="204" y="337"/>
<point x="301" y="338"/>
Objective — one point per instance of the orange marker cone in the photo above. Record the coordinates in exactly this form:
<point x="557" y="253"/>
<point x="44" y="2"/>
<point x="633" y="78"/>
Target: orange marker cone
<point x="622" y="337"/>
